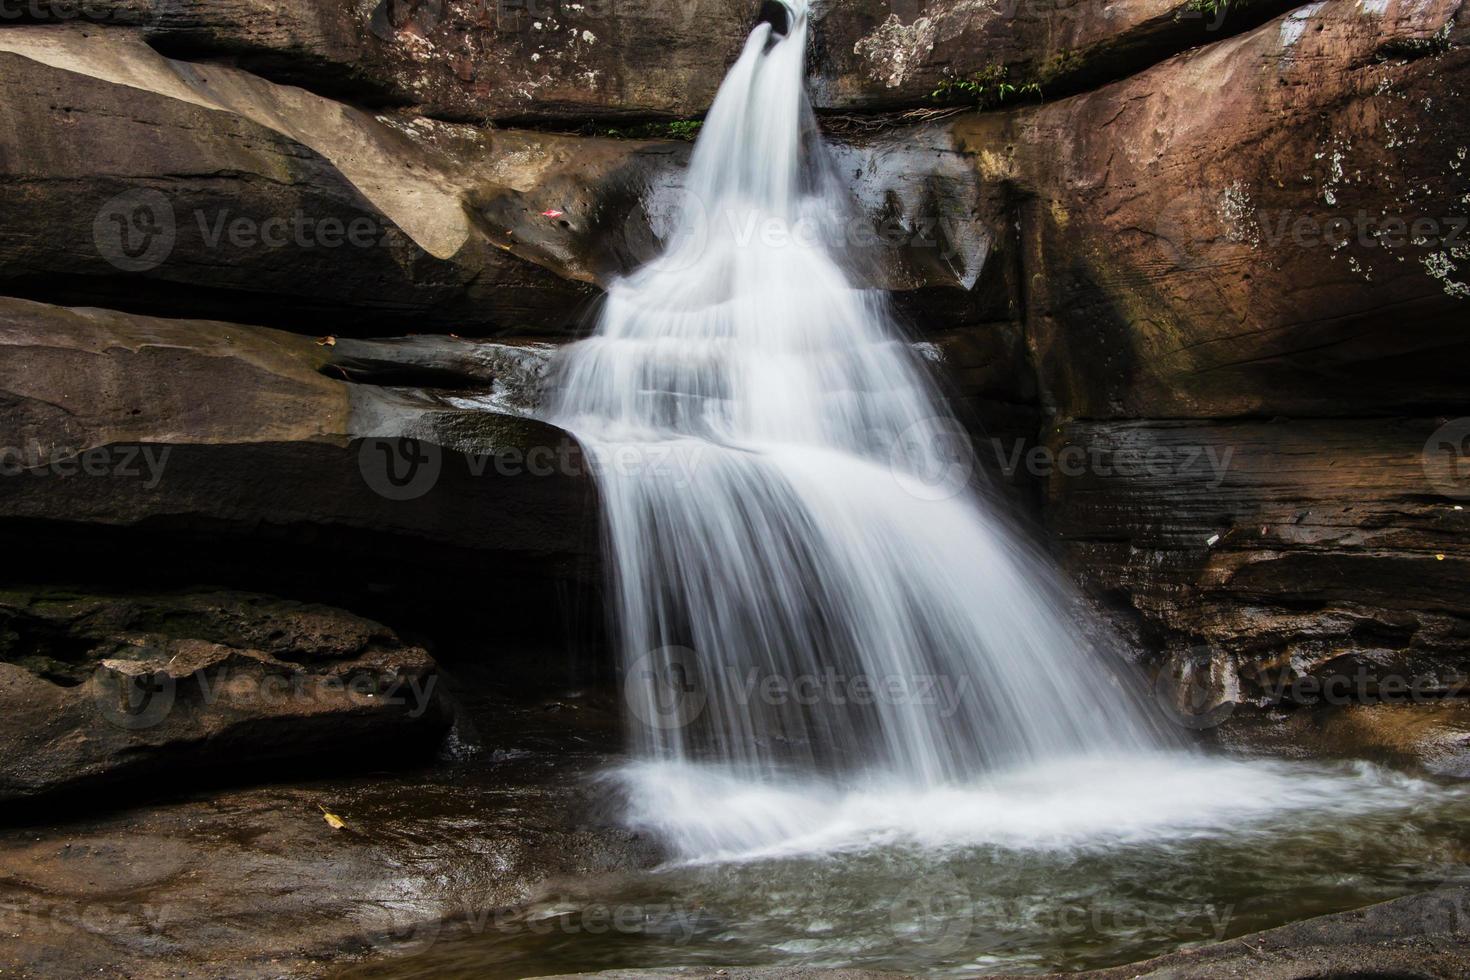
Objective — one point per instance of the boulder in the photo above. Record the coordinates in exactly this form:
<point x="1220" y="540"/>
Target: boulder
<point x="1254" y="442"/>
<point x="504" y="60"/>
<point x="225" y="195"/>
<point x="1419" y="935"/>
<point x="1192" y="256"/>
<point x="550" y="61"/>
<point x="1265" y="553"/>
<point x="200" y="451"/>
<point x="125" y="689"/>
<point x="1432" y="735"/>
<point x="252" y="881"/>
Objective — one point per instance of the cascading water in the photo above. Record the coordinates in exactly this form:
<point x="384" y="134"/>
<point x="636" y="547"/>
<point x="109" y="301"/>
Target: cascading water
<point x="783" y="510"/>
<point x="945" y="779"/>
<point x="830" y="642"/>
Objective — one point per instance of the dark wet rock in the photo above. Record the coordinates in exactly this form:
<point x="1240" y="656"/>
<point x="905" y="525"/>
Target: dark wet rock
<point x="515" y="374"/>
<point x="1179" y="253"/>
<point x="200" y="451"/>
<point x="228" y="196"/>
<point x="1274" y="550"/>
<point x="106" y="690"/>
<point x="1429" y="734"/>
<point x="1424" y="935"/>
<point x="255" y="883"/>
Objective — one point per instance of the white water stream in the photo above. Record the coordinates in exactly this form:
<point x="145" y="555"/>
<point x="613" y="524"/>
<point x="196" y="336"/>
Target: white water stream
<point x="829" y="641"/>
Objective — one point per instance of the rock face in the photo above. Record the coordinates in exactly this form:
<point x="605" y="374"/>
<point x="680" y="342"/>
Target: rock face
<point x="517" y="60"/>
<point x="103" y="690"/>
<point x="1246" y="320"/>
<point x="1237" y="256"/>
<point x="521" y="60"/>
<point x="1196" y="274"/>
<point x="232" y="197"/>
<point x="219" y="453"/>
<point x="253" y="882"/>
<point x="227" y="196"/>
<point x="895" y="54"/>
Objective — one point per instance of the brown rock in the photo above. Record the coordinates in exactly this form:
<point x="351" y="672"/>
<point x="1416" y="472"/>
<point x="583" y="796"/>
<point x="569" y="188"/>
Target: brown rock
<point x="215" y="452"/>
<point x="108" y="689"/>
<point x="1181" y="255"/>
<point x="1282" y="549"/>
<point x="219" y="194"/>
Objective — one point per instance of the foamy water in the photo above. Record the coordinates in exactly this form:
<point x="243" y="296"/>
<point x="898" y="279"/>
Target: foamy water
<point x="712" y="815"/>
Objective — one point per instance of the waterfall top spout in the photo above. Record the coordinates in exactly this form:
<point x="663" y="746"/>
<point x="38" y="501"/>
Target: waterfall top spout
<point x="780" y="14"/>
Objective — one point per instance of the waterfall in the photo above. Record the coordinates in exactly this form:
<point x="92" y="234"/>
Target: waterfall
<point x="807" y="586"/>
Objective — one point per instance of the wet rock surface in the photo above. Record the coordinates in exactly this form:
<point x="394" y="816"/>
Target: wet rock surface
<point x="1244" y="364"/>
<point x="121" y="690"/>
<point x="256" y="882"/>
<point x="210" y="452"/>
<point x="228" y="196"/>
<point x="1275" y="550"/>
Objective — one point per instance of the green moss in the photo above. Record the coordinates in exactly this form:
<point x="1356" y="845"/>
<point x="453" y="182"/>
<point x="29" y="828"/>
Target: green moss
<point x="679" y="129"/>
<point x="1061" y="65"/>
<point x="1211" y="9"/>
<point x="988" y="87"/>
